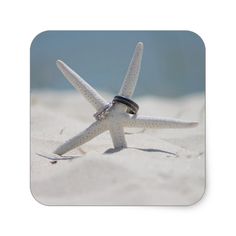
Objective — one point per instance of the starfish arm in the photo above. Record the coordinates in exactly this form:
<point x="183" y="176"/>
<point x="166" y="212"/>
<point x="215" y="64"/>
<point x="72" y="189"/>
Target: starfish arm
<point x="93" y="130"/>
<point x="162" y="123"/>
<point x="93" y="97"/>
<point x="118" y="136"/>
<point x="131" y="77"/>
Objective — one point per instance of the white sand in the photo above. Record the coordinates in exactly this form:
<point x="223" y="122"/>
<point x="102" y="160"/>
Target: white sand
<point x="160" y="167"/>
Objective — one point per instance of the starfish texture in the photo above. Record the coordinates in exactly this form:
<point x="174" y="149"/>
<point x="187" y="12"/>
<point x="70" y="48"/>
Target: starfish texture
<point x="116" y="116"/>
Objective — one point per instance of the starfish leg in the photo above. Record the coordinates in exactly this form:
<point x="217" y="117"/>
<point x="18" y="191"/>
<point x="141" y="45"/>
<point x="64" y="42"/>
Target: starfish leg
<point x="93" y="130"/>
<point x="93" y="97"/>
<point x="131" y="77"/>
<point x="118" y="136"/>
<point x="162" y="123"/>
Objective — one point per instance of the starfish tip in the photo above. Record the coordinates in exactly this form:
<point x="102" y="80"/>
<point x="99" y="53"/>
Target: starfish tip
<point x="140" y="44"/>
<point x="59" y="63"/>
<point x="194" y="123"/>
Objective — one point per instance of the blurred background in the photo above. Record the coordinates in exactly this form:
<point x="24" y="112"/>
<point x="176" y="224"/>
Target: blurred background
<point x="173" y="61"/>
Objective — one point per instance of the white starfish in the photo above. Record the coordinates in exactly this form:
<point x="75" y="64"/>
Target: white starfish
<point x="116" y="117"/>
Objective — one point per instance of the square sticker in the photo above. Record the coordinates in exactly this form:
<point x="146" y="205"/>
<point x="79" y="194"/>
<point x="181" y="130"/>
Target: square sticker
<point x="117" y="118"/>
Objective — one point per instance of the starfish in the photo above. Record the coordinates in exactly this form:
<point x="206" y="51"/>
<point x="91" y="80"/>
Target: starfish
<point x="113" y="117"/>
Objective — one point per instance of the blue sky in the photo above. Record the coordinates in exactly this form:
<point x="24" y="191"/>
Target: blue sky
<point x="173" y="61"/>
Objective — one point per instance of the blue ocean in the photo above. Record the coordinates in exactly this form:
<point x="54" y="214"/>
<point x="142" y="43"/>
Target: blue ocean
<point x="173" y="62"/>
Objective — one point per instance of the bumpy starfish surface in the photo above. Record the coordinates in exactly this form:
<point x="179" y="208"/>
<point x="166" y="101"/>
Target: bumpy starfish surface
<point x="116" y="116"/>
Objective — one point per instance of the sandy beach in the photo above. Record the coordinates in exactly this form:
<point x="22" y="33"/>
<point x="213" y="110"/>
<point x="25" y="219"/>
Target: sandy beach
<point x="159" y="167"/>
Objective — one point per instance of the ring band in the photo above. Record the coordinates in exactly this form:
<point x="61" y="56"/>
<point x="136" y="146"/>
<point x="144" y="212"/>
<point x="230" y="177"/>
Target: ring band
<point x="99" y="115"/>
<point x="131" y="105"/>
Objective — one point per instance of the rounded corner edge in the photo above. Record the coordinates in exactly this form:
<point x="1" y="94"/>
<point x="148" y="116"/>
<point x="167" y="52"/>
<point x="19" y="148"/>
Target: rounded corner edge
<point x="37" y="36"/>
<point x="199" y="199"/>
<point x="36" y="199"/>
<point x="198" y="37"/>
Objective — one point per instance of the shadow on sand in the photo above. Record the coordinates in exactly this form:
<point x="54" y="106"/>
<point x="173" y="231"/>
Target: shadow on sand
<point x="114" y="150"/>
<point x="54" y="158"/>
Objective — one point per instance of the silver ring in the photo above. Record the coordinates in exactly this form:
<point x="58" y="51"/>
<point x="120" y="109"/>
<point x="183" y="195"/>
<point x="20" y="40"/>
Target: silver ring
<point x="101" y="114"/>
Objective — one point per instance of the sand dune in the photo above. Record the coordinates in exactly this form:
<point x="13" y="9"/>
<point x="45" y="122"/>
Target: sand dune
<point x="160" y="167"/>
